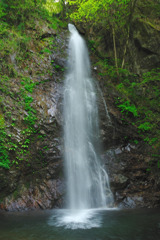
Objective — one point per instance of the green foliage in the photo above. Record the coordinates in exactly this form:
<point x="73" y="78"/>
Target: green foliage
<point x="15" y="42"/>
<point x="7" y="143"/>
<point x="45" y="148"/>
<point x="145" y="126"/>
<point x="53" y="7"/>
<point x="20" y="29"/>
<point x="144" y="93"/>
<point x="28" y="87"/>
<point x="16" y="11"/>
<point x="138" y="102"/>
<point x="46" y="50"/>
<point x="127" y="107"/>
<point x="4" y="160"/>
<point x="2" y="9"/>
<point x="103" y="11"/>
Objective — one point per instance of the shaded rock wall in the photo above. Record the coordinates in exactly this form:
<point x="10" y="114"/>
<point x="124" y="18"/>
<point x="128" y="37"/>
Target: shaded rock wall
<point x="131" y="183"/>
<point x="37" y="181"/>
<point x="128" y="164"/>
<point x="143" y="49"/>
<point x="132" y="169"/>
<point x="142" y="52"/>
<point x="41" y="184"/>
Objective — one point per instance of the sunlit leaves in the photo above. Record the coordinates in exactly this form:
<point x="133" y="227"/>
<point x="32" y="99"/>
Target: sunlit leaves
<point x="95" y="10"/>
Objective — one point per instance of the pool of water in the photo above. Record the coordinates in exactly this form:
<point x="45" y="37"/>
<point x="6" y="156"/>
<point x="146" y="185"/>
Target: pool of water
<point x="87" y="225"/>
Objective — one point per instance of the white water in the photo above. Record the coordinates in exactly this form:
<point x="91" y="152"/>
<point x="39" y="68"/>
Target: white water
<point x="87" y="181"/>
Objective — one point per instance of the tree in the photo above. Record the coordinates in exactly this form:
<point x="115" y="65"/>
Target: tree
<point x="132" y="8"/>
<point x="110" y="14"/>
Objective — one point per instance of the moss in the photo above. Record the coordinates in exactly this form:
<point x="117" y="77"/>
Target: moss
<point x="23" y="48"/>
<point x="154" y="24"/>
<point x="27" y="185"/>
<point x="137" y="99"/>
<point x="16" y="194"/>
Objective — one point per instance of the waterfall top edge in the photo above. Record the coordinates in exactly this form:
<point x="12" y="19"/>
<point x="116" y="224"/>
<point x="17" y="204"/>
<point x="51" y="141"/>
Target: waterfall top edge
<point x="72" y="28"/>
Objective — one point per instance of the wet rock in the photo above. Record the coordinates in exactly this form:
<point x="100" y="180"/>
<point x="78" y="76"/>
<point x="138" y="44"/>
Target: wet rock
<point x="130" y="182"/>
<point x="47" y="193"/>
<point x="119" y="181"/>
<point x="56" y="61"/>
<point x="131" y="202"/>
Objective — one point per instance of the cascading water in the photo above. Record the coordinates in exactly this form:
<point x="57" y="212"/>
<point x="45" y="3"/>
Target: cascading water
<point x="88" y="187"/>
<point x="87" y="181"/>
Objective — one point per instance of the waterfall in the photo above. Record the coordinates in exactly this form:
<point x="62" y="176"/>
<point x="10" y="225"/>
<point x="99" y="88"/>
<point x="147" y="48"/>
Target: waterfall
<point x="87" y="181"/>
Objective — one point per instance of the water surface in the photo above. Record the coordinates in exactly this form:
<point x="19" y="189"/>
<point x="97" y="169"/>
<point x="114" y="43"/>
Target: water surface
<point x="107" y="225"/>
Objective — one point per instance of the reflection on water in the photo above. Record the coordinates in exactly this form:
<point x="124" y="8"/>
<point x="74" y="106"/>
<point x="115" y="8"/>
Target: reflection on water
<point x="106" y="225"/>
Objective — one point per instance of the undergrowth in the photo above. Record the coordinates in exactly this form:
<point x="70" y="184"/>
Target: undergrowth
<point x="22" y="49"/>
<point x="138" y="102"/>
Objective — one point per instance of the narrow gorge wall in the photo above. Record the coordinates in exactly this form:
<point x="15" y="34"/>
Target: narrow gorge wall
<point x="38" y="181"/>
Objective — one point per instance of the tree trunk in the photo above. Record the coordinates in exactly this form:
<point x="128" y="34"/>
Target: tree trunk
<point x="132" y="8"/>
<point x="115" y="51"/>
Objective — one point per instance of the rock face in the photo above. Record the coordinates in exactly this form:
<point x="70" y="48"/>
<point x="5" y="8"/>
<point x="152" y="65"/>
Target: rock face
<point x="142" y="54"/>
<point x="39" y="183"/>
<point x="132" y="183"/>
<point x="36" y="193"/>
<point x="143" y="50"/>
<point x="128" y="164"/>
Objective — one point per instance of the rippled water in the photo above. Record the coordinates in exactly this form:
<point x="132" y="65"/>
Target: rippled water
<point x="106" y="225"/>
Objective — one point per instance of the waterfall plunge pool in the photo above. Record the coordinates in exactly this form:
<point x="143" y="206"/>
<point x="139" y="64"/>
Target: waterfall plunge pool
<point x="137" y="224"/>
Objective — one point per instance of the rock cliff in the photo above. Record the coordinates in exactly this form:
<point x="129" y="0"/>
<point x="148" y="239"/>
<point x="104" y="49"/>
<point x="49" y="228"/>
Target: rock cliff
<point x="36" y="181"/>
